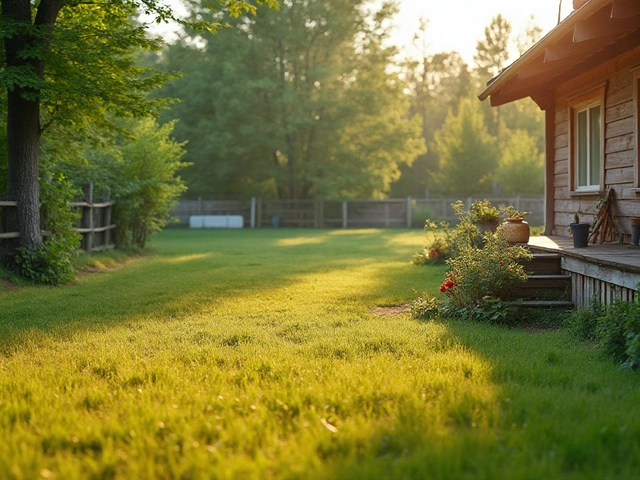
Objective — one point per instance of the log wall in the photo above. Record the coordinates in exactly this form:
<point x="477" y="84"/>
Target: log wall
<point x="620" y="78"/>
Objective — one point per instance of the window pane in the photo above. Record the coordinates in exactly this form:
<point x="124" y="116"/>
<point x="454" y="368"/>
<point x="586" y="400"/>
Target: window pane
<point x="594" y="157"/>
<point x="581" y="148"/>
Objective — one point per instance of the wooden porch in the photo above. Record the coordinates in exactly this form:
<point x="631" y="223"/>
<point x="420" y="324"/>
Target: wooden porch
<point x="605" y="272"/>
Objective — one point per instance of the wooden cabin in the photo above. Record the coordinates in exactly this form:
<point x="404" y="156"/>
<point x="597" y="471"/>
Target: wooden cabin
<point x="585" y="75"/>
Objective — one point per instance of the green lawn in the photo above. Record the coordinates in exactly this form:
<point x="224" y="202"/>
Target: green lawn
<point x="256" y="354"/>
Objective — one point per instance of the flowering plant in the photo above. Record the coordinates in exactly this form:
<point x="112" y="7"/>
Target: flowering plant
<point x="490" y="271"/>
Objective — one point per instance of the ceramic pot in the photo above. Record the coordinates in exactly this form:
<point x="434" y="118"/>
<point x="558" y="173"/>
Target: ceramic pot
<point x="580" y="232"/>
<point x="517" y="230"/>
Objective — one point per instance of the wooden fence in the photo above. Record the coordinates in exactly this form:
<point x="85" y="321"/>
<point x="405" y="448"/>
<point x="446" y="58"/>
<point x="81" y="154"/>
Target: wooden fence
<point x="95" y="221"/>
<point x="321" y="213"/>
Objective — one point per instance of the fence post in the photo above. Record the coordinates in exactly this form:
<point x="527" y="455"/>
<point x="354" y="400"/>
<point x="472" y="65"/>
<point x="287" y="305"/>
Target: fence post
<point x="200" y="209"/>
<point x="107" y="219"/>
<point x="469" y="202"/>
<point x="344" y="214"/>
<point x="517" y="202"/>
<point x="321" y="212"/>
<point x="259" y="213"/>
<point x="253" y="212"/>
<point x="87" y="218"/>
<point x="386" y="215"/>
<point x="409" y="212"/>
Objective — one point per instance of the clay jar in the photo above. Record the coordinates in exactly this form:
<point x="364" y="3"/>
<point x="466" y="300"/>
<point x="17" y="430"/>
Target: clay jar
<point x="517" y="230"/>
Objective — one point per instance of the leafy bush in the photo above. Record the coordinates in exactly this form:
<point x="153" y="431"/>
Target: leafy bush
<point x="491" y="271"/>
<point x="618" y="333"/>
<point x="52" y="263"/>
<point x="483" y="211"/>
<point x="615" y="328"/>
<point x="140" y="170"/>
<point x="486" y="310"/>
<point x="425" y="307"/>
<point x="583" y="323"/>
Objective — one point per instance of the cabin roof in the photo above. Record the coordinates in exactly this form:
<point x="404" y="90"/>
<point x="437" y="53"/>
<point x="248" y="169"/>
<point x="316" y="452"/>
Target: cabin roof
<point x="591" y="35"/>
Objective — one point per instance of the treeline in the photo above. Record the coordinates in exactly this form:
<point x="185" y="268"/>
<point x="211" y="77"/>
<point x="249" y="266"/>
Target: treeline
<point x="310" y="100"/>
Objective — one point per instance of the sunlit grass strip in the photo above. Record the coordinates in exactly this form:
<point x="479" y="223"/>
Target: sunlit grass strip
<point x="254" y="354"/>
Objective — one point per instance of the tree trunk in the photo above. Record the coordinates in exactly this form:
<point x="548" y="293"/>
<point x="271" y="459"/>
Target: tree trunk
<point x="23" y="118"/>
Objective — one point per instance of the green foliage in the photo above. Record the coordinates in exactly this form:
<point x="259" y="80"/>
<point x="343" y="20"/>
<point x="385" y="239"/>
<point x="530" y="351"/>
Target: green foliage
<point x="483" y="211"/>
<point x="140" y="170"/>
<point x="52" y="263"/>
<point x="468" y="154"/>
<point x="492" y="52"/>
<point x="618" y="333"/>
<point x="425" y="307"/>
<point x="490" y="310"/>
<point x="491" y="271"/>
<point x="296" y="103"/>
<point x="511" y="212"/>
<point x="583" y="322"/>
<point x="615" y="328"/>
<point x="521" y="168"/>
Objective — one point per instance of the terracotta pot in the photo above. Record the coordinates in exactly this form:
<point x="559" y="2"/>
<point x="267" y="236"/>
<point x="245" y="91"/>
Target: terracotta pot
<point x="517" y="230"/>
<point x="487" y="226"/>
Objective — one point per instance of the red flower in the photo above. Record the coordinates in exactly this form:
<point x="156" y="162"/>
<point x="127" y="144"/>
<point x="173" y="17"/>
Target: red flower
<point x="502" y="264"/>
<point x="433" y="253"/>
<point x="447" y="285"/>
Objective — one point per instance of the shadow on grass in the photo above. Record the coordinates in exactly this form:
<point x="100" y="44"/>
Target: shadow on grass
<point x="556" y="409"/>
<point x="192" y="271"/>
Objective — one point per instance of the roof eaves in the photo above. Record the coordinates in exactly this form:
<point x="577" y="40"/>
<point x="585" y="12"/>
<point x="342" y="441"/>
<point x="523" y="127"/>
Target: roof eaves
<point x="554" y="35"/>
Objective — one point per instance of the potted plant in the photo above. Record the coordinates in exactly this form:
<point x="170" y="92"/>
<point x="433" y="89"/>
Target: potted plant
<point x="484" y="215"/>
<point x="580" y="232"/>
<point x="515" y="228"/>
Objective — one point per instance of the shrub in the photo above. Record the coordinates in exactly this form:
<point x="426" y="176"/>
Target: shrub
<point x="483" y="211"/>
<point x="425" y="307"/>
<point x="52" y="263"/>
<point x="486" y="310"/>
<point x="490" y="271"/>
<point x="618" y="333"/>
<point x="583" y="323"/>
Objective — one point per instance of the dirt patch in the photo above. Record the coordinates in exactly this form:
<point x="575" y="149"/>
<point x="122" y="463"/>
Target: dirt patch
<point x="7" y="285"/>
<point x="390" y="310"/>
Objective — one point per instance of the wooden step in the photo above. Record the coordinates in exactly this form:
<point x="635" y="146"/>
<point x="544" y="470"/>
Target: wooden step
<point x="545" y="287"/>
<point x="546" y="304"/>
<point x="543" y="264"/>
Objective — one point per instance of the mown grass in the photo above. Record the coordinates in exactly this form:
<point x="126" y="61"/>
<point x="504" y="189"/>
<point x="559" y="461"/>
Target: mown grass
<point x="256" y="354"/>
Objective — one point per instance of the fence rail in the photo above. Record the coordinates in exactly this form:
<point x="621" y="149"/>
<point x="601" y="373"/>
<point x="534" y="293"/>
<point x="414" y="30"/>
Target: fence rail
<point x="321" y="213"/>
<point x="95" y="222"/>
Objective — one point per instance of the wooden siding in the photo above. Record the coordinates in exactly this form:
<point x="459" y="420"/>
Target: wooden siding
<point x="620" y="144"/>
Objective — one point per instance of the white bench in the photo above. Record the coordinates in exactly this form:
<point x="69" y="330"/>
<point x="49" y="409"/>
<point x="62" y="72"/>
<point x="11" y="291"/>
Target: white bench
<point x="216" y="221"/>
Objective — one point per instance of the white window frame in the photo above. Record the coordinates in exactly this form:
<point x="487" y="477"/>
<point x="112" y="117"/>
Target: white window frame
<point x="586" y="102"/>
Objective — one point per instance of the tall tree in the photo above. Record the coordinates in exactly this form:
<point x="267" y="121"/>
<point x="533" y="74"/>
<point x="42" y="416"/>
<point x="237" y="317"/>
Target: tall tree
<point x="521" y="168"/>
<point x="468" y="153"/>
<point x="492" y="51"/>
<point x="435" y="82"/>
<point x="294" y="103"/>
<point x="30" y="34"/>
